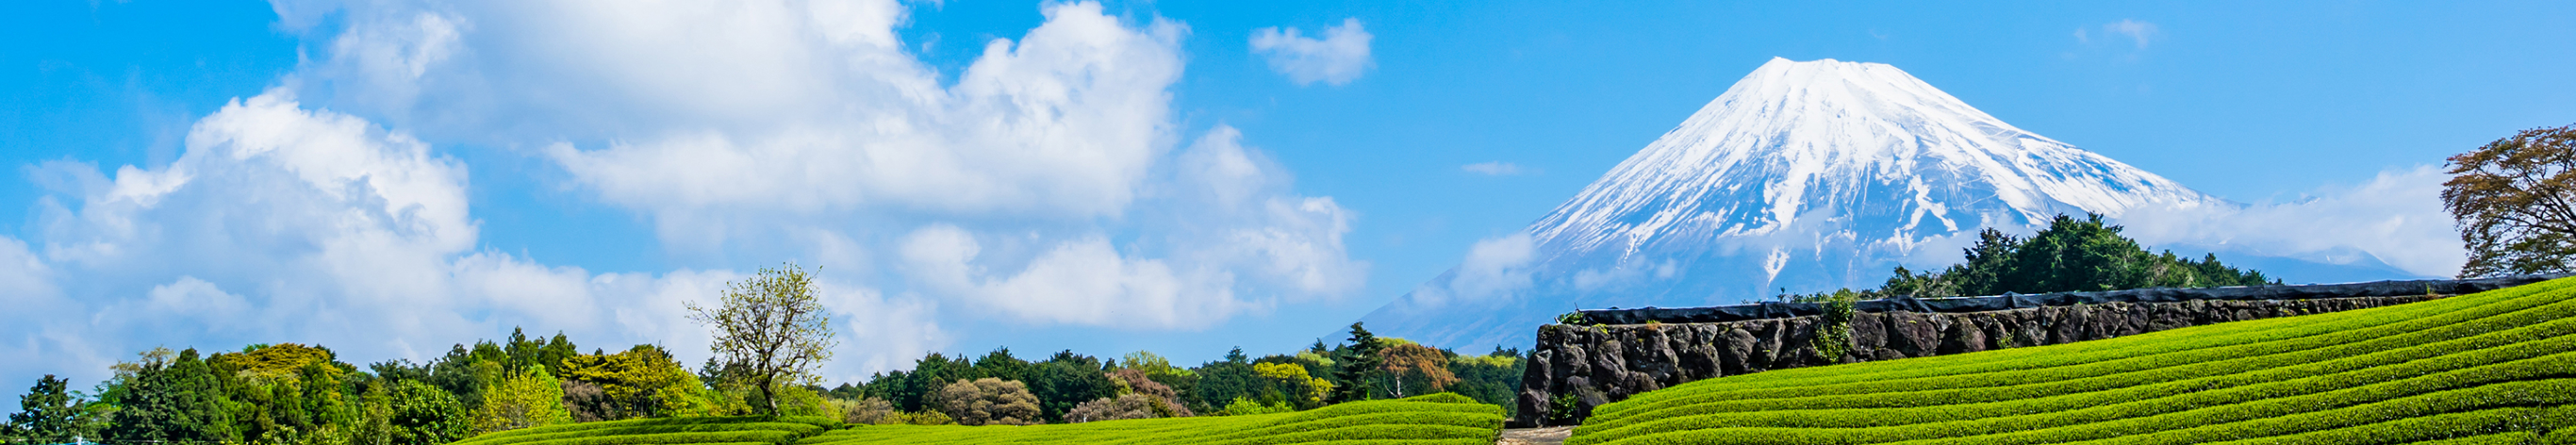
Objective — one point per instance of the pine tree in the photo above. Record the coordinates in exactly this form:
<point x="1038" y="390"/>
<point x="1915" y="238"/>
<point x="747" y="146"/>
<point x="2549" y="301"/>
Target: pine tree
<point x="47" y="413"/>
<point x="1358" y="366"/>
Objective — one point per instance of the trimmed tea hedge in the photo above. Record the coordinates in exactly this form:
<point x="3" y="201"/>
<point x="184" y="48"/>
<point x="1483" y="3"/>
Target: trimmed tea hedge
<point x="694" y="430"/>
<point x="1428" y="420"/>
<point x="2491" y="367"/>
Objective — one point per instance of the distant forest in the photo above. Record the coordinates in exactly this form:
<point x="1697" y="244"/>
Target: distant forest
<point x="300" y="394"/>
<point x="2071" y="255"/>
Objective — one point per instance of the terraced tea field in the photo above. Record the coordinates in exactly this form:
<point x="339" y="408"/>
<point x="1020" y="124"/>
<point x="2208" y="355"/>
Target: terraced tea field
<point x="1427" y="420"/>
<point x="692" y="430"/>
<point x="2492" y="367"/>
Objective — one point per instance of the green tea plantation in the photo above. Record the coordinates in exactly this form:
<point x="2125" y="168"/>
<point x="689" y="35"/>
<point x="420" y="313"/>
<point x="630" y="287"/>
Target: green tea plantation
<point x="2492" y="367"/>
<point x="1432" y="419"/>
<point x="686" y="430"/>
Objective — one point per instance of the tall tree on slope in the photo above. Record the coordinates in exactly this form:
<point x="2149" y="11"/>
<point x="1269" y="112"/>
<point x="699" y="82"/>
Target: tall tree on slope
<point x="2515" y="202"/>
<point x="1359" y="366"/>
<point x="773" y="327"/>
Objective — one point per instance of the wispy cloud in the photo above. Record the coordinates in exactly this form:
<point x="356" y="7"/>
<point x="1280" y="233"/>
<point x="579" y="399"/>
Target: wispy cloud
<point x="1337" y="58"/>
<point x="1493" y="168"/>
<point x="2396" y="218"/>
<point x="2138" y="32"/>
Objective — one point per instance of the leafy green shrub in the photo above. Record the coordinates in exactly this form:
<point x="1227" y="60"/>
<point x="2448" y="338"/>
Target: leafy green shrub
<point x="1575" y="318"/>
<point x="1244" y="406"/>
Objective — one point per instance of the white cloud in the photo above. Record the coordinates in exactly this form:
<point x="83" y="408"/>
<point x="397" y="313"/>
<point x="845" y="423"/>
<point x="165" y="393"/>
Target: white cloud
<point x="2396" y="218"/>
<point x="1234" y="227"/>
<point x="1494" y="269"/>
<point x="283" y="224"/>
<point x="1083" y="281"/>
<point x="1492" y="168"/>
<point x="1337" y="58"/>
<point x="1066" y="122"/>
<point x="2136" y="31"/>
<point x="805" y="130"/>
<point x="1048" y="173"/>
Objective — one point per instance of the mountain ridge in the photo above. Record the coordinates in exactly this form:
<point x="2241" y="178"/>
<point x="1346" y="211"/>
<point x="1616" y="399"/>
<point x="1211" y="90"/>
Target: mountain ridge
<point x="1813" y="175"/>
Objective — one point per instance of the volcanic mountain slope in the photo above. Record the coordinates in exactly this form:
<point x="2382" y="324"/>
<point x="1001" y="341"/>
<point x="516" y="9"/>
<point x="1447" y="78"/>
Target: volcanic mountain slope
<point x="1804" y="176"/>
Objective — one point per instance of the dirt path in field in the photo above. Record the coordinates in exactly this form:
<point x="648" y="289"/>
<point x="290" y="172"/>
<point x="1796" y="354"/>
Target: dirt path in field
<point x="1536" y="436"/>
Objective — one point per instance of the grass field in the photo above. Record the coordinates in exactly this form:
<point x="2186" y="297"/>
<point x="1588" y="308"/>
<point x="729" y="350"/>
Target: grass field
<point x="1432" y="419"/>
<point x="692" y="430"/>
<point x="2493" y="367"/>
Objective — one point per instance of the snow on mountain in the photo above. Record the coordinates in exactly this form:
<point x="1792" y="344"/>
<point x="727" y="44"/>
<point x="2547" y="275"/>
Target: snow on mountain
<point x="1804" y="176"/>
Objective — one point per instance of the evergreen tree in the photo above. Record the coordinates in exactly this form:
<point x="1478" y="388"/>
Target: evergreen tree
<point x="1220" y="382"/>
<point x="175" y="400"/>
<point x="425" y="415"/>
<point x="1066" y="379"/>
<point x="1000" y="364"/>
<point x="47" y="413"/>
<point x="1358" y="366"/>
<point x="2071" y="255"/>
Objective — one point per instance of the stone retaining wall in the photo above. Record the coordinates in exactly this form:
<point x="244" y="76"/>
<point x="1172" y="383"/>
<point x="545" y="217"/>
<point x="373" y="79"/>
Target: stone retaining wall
<point x="1599" y="364"/>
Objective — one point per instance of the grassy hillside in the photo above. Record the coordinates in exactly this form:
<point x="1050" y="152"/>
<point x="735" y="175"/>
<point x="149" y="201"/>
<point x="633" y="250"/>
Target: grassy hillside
<point x="1432" y="419"/>
<point x="2493" y="367"/>
<point x="693" y="430"/>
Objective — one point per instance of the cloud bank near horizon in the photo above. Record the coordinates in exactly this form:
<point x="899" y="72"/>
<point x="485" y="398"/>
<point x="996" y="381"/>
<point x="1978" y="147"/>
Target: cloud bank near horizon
<point x="1048" y="182"/>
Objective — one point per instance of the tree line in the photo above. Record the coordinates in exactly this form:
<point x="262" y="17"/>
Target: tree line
<point x="1068" y="387"/>
<point x="2071" y="255"/>
<point x="771" y="334"/>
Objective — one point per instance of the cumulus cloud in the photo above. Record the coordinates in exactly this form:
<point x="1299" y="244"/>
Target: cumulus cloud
<point x="2137" y="32"/>
<point x="1234" y="225"/>
<point x="1337" y="58"/>
<point x="1492" y="168"/>
<point x="1048" y="172"/>
<point x="285" y="224"/>
<point x="1082" y="281"/>
<point x="1495" y="268"/>
<point x="2396" y="218"/>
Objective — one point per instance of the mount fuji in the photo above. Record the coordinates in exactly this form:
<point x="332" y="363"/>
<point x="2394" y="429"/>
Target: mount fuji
<point x="1803" y="176"/>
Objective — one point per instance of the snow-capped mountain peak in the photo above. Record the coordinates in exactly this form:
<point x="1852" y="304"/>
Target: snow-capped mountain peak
<point x="1803" y="176"/>
<point x="1849" y="139"/>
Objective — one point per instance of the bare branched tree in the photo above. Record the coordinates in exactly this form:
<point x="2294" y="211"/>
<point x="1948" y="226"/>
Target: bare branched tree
<point x="2515" y="202"/>
<point x="773" y="328"/>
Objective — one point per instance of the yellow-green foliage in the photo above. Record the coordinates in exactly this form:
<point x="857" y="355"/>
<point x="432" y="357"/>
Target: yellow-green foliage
<point x="1497" y="361"/>
<point x="528" y="398"/>
<point x="690" y="430"/>
<point x="1432" y="419"/>
<point x="275" y="361"/>
<point x="1244" y="406"/>
<point x="2492" y="367"/>
<point x="642" y="381"/>
<point x="1294" y="376"/>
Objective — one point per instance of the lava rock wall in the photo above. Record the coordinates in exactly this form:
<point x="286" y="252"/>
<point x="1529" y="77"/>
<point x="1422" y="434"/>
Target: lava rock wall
<point x="1588" y="366"/>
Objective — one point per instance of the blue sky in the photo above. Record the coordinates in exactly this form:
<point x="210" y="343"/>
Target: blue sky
<point x="388" y="178"/>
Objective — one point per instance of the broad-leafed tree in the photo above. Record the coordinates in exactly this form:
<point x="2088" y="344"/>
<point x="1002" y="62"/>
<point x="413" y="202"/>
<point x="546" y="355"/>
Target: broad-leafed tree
<point x="773" y="328"/>
<point x="2515" y="202"/>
